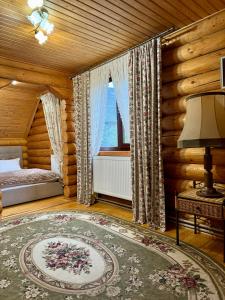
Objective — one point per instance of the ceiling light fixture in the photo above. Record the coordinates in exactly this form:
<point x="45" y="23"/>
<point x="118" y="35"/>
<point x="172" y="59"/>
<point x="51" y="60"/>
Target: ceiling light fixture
<point x="14" y="82"/>
<point x="35" y="3"/>
<point x="39" y="19"/>
<point x="41" y="37"/>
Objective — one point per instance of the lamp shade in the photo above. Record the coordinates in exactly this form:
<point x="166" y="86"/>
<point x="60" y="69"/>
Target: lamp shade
<point x="205" y="121"/>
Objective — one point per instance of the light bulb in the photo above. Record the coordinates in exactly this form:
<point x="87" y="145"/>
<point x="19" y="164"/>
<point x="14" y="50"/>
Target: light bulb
<point x="35" y="3"/>
<point x="14" y="82"/>
<point x="47" y="26"/>
<point x="35" y="18"/>
<point x="41" y="37"/>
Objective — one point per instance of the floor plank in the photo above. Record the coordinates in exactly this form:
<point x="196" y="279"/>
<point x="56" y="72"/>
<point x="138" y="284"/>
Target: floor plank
<point x="211" y="245"/>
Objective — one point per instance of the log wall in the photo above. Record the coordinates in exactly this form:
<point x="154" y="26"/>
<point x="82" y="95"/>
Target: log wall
<point x="39" y="148"/>
<point x="191" y="64"/>
<point x="69" y="149"/>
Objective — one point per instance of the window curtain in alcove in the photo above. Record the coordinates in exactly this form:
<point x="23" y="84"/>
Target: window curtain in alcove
<point x="145" y="134"/>
<point x="52" y="113"/>
<point x="81" y="93"/>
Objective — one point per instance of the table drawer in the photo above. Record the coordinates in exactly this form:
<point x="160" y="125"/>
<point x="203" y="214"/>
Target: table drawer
<point x="200" y="208"/>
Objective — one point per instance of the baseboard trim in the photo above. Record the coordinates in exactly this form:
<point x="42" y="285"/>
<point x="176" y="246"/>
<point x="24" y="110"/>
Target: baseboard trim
<point x="114" y="200"/>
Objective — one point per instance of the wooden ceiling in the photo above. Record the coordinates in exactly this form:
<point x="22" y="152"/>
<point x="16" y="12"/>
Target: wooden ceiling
<point x="90" y="31"/>
<point x="17" y="107"/>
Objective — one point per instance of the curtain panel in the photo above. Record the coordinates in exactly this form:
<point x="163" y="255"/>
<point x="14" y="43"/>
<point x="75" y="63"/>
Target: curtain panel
<point x="119" y="71"/>
<point x="81" y="92"/>
<point x="99" y="79"/>
<point x="52" y="113"/>
<point x="145" y="134"/>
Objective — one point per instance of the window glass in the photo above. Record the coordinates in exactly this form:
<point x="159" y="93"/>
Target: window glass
<point x="110" y="134"/>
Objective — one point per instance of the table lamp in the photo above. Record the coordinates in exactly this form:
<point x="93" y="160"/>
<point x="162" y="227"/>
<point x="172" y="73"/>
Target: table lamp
<point x="205" y="127"/>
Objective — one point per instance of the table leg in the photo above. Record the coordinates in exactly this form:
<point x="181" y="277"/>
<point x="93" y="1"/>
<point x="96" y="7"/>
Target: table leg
<point x="177" y="227"/>
<point x="195" y="223"/>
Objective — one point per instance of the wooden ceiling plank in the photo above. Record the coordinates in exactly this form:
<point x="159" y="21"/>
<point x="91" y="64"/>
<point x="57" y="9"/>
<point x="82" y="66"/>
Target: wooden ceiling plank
<point x="76" y="21"/>
<point x="127" y="11"/>
<point x="95" y="22"/>
<point x="100" y="36"/>
<point x="88" y="32"/>
<point x="194" y="5"/>
<point x="47" y="55"/>
<point x="30" y="59"/>
<point x="143" y="13"/>
<point x="55" y="45"/>
<point x="173" y="11"/>
<point x="102" y="14"/>
<point x="185" y="9"/>
<point x="151" y="10"/>
<point x="89" y="29"/>
<point x="207" y="6"/>
<point x="217" y="4"/>
<point x="120" y="15"/>
<point x="29" y="29"/>
<point x="72" y="35"/>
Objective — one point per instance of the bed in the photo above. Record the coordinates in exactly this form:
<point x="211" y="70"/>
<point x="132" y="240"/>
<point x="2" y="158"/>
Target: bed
<point x="24" y="185"/>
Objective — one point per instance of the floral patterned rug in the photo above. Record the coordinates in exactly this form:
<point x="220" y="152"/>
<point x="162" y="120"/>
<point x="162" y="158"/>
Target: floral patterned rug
<point x="78" y="255"/>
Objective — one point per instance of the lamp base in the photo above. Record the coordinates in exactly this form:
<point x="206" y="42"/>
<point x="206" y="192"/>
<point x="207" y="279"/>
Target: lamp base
<point x="209" y="193"/>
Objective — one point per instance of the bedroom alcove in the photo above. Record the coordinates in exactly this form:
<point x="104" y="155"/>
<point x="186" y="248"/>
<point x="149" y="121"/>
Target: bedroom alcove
<point x="22" y="122"/>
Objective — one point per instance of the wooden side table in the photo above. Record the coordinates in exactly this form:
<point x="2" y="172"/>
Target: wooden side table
<point x="189" y="202"/>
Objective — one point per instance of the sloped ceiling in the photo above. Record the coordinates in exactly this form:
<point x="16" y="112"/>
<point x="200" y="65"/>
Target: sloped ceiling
<point x="90" y="31"/>
<point x="17" y="107"/>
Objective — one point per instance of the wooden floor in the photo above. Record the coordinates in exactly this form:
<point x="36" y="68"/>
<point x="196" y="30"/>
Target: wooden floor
<point x="211" y="245"/>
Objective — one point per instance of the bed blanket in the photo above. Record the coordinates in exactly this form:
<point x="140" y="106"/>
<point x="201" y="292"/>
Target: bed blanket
<point x="26" y="177"/>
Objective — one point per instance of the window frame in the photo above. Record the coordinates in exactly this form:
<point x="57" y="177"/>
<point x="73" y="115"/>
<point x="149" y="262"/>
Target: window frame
<point x="120" y="136"/>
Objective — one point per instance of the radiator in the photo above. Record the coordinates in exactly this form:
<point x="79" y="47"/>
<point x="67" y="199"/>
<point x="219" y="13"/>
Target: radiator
<point x="112" y="176"/>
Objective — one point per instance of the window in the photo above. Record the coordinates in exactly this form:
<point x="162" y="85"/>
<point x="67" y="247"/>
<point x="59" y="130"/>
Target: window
<point x="114" y="137"/>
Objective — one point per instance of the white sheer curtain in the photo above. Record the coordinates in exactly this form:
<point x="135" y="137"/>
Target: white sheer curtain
<point x="119" y="72"/>
<point x="52" y="112"/>
<point x="99" y="79"/>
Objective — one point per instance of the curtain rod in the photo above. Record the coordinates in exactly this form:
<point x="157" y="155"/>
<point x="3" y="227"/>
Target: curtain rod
<point x="161" y="34"/>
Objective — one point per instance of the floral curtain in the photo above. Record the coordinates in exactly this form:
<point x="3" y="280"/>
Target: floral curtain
<point x="145" y="134"/>
<point x="81" y="92"/>
<point x="52" y="112"/>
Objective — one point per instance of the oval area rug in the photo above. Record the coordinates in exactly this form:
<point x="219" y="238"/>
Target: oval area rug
<point x="79" y="255"/>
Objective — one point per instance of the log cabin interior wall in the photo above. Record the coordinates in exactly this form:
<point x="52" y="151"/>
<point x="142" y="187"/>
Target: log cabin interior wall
<point x="69" y="149"/>
<point x="191" y="64"/>
<point x="39" y="148"/>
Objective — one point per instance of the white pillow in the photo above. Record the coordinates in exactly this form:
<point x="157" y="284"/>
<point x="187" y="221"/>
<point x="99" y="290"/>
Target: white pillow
<point x="9" y="165"/>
